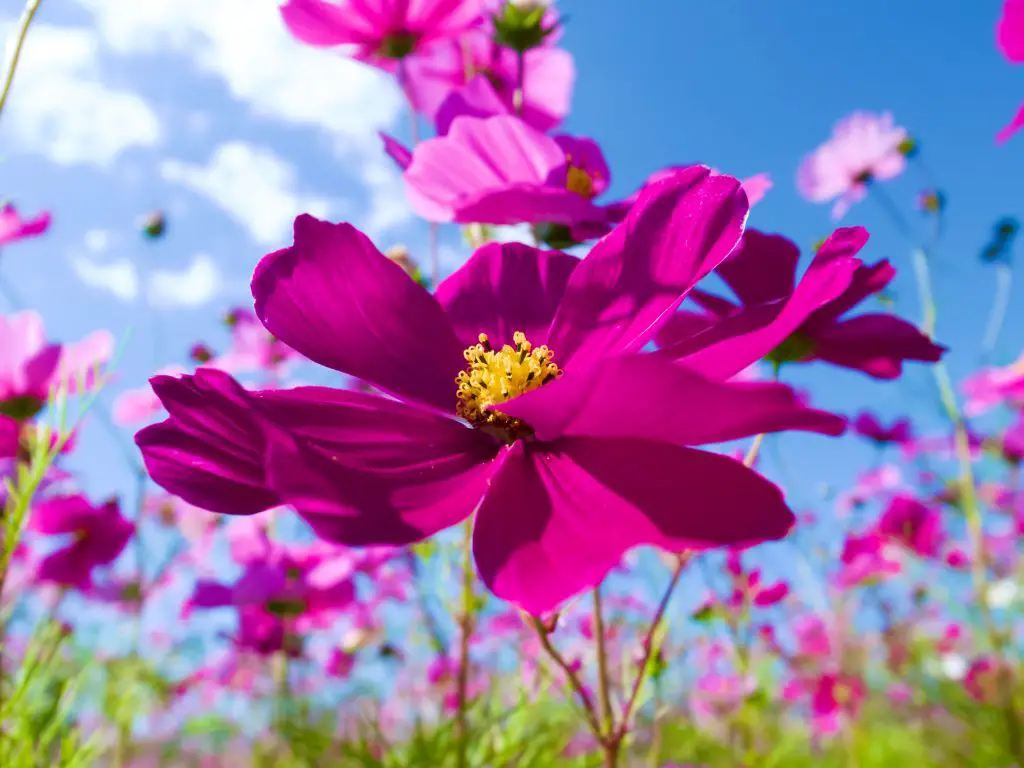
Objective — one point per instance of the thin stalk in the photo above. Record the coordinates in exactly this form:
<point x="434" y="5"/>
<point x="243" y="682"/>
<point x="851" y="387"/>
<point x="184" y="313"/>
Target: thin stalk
<point x="465" y="636"/>
<point x="1000" y="303"/>
<point x="24" y="23"/>
<point x="579" y="689"/>
<point x="966" y="481"/>
<point x="519" y="95"/>
<point x="603" y="681"/>
<point x="648" y="646"/>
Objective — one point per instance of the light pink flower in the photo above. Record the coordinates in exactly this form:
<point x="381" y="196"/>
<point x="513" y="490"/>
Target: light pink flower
<point x="864" y="148"/>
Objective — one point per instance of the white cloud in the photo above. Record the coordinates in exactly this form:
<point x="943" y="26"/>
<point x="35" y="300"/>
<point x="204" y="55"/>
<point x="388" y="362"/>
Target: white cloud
<point x="251" y="184"/>
<point x="387" y="204"/>
<point x="97" y="240"/>
<point x="60" y="107"/>
<point x="245" y="45"/>
<point x="198" y="284"/>
<point x="118" y="277"/>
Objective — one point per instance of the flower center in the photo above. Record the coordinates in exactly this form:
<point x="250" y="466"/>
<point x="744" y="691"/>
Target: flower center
<point x="794" y="349"/>
<point x="398" y="45"/>
<point x="497" y="375"/>
<point x="578" y="179"/>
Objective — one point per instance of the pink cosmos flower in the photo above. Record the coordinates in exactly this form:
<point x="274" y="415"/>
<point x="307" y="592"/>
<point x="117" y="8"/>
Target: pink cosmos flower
<point x="281" y="587"/>
<point x="99" y="535"/>
<point x="913" y="525"/>
<point x="1010" y="40"/>
<point x="797" y="322"/>
<point x="991" y="387"/>
<point x="605" y="434"/>
<point x="864" y="148"/>
<point x="253" y="349"/>
<point x="748" y="589"/>
<point x="867" y="425"/>
<point x="865" y="559"/>
<point x="499" y="170"/>
<point x="381" y="31"/>
<point x="135" y="405"/>
<point x="835" y="697"/>
<point x="30" y="366"/>
<point x="982" y="680"/>
<point x="458" y="66"/>
<point x="14" y="228"/>
<point x="10" y="438"/>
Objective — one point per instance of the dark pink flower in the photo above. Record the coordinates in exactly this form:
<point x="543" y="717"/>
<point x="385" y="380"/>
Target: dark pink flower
<point x="864" y="148"/>
<point x="836" y="697"/>
<point x="984" y="680"/>
<point x="1010" y="40"/>
<point x="381" y="31"/>
<point x="99" y="535"/>
<point x="458" y="66"/>
<point x="795" y="322"/>
<point x="14" y="228"/>
<point x="587" y="457"/>
<point x="867" y="425"/>
<point x="865" y="559"/>
<point x="913" y="525"/>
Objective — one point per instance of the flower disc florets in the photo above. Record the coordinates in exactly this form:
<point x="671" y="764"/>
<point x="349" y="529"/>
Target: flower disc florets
<point x="496" y="376"/>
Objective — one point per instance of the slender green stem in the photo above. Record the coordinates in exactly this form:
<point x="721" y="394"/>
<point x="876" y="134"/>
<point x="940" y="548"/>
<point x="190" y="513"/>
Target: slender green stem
<point x="590" y="713"/>
<point x="19" y="43"/>
<point x="1000" y="303"/>
<point x="465" y="636"/>
<point x="519" y="95"/>
<point x="649" y="645"/>
<point x="603" y="681"/>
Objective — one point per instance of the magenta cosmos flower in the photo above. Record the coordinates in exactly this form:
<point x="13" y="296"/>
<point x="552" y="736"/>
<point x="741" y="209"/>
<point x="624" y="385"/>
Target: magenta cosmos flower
<point x="568" y="461"/>
<point x="98" y="536"/>
<point x="30" y="366"/>
<point x="380" y="30"/>
<point x="548" y="77"/>
<point x="14" y="228"/>
<point x="864" y="147"/>
<point x="1010" y="40"/>
<point x="867" y="425"/>
<point x="796" y="322"/>
<point x="913" y="525"/>
<point x="499" y="170"/>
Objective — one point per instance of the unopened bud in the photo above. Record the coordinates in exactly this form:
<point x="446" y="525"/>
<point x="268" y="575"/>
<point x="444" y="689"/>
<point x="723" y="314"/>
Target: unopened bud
<point x="931" y="201"/>
<point x="908" y="147"/>
<point x="201" y="354"/>
<point x="153" y="225"/>
<point x="520" y="25"/>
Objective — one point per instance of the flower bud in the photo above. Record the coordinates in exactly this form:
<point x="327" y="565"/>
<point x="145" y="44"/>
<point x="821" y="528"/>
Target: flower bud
<point x="153" y="225"/>
<point x="908" y="147"/>
<point x="931" y="201"/>
<point x="520" y="25"/>
<point x="201" y="354"/>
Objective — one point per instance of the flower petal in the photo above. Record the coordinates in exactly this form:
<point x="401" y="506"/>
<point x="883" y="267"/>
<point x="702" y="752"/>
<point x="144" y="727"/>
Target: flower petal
<point x="745" y="338"/>
<point x="762" y="268"/>
<point x="557" y="518"/>
<point x="876" y="344"/>
<point x="651" y="398"/>
<point x="316" y="22"/>
<point x="401" y="505"/>
<point x="504" y="288"/>
<point x="627" y="287"/>
<point x="62" y="514"/>
<point x="210" y="450"/>
<point x="340" y="302"/>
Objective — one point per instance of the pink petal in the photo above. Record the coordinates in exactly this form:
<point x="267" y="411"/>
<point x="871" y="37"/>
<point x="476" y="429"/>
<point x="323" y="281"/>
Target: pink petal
<point x="339" y="301"/>
<point x="876" y="344"/>
<point x="504" y="288"/>
<point x="557" y="518"/>
<point x="632" y="280"/>
<point x="1015" y="125"/>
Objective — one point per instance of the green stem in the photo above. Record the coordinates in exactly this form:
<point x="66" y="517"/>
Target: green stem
<point x="465" y="636"/>
<point x="519" y="95"/>
<point x="19" y="43"/>
<point x="603" y="682"/>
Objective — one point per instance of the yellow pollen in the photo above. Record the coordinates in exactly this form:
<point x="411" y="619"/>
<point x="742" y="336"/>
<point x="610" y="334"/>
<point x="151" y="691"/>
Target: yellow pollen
<point x="578" y="180"/>
<point x="497" y="375"/>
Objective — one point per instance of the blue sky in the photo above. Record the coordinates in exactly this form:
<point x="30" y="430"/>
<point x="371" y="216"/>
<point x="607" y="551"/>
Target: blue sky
<point x="206" y="109"/>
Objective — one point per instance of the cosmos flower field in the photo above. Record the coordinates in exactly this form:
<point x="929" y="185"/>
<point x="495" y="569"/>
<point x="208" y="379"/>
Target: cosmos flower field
<point x="561" y="504"/>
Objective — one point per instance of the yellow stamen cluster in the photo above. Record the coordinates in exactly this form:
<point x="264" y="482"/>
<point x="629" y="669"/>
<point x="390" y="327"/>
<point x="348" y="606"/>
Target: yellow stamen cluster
<point x="497" y="375"/>
<point x="579" y="181"/>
